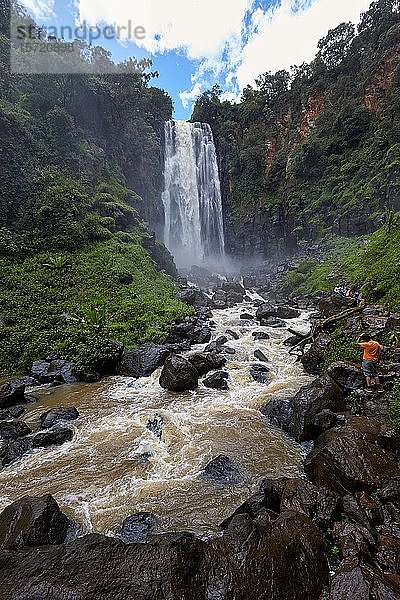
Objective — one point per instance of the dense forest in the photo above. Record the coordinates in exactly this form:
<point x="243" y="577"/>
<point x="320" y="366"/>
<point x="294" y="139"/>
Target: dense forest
<point x="314" y="152"/>
<point x="80" y="169"/>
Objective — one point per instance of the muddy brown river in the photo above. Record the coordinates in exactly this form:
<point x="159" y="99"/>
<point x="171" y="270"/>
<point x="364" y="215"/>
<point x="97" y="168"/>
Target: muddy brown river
<point x="100" y="477"/>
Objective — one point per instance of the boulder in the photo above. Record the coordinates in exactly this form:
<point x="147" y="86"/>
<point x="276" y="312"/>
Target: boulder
<point x="278" y="412"/>
<point x="11" y="393"/>
<point x="33" y="521"/>
<point x="344" y="461"/>
<point x="13" y="412"/>
<point x="136" y="528"/>
<point x="284" y="312"/>
<point x="354" y="580"/>
<point x="390" y="490"/>
<point x="321" y="394"/>
<point x="318" y="503"/>
<point x="313" y="358"/>
<point x="224" y="471"/>
<point x="193" y="297"/>
<point x="353" y="539"/>
<point x="250" y="561"/>
<point x="387" y="554"/>
<point x="50" y="371"/>
<point x="14" y="430"/>
<point x="204" y="362"/>
<point x="144" y="360"/>
<point x="362" y="509"/>
<point x="260" y="356"/>
<point x="233" y="298"/>
<point x="348" y="375"/>
<point x="220" y="300"/>
<point x="233" y="334"/>
<point x="53" y="437"/>
<point x="334" y="304"/>
<point x="246" y="317"/>
<point x="233" y="286"/>
<point x="58" y="415"/>
<point x="13" y="450"/>
<point x="259" y="373"/>
<point x="217" y="381"/>
<point x="178" y="374"/>
<point x="260" y="335"/>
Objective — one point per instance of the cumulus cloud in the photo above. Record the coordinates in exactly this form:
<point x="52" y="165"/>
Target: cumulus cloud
<point x="200" y="28"/>
<point x="40" y="9"/>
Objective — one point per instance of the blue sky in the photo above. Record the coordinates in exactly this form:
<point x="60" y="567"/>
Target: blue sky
<point x="197" y="43"/>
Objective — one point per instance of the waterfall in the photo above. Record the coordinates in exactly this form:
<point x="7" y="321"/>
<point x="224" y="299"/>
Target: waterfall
<point x="194" y="229"/>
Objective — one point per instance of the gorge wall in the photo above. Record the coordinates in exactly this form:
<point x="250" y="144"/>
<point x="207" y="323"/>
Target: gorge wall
<point x="313" y="153"/>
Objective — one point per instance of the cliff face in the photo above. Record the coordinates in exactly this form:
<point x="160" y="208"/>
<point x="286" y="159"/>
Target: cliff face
<point x="320" y="156"/>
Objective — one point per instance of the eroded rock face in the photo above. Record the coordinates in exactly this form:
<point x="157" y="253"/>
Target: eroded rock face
<point x="33" y="522"/>
<point x="178" y="374"/>
<point x="334" y="304"/>
<point x="355" y="580"/>
<point x="344" y="461"/>
<point x="58" y="415"/>
<point x="143" y="361"/>
<point x="312" y="359"/>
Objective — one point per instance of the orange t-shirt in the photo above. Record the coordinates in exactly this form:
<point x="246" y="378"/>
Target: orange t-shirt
<point x="372" y="350"/>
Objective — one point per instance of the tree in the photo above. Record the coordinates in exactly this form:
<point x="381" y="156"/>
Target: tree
<point x="334" y="48"/>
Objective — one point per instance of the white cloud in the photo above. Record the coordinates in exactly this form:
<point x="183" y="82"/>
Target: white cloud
<point x="286" y="37"/>
<point x="40" y="9"/>
<point x="200" y="27"/>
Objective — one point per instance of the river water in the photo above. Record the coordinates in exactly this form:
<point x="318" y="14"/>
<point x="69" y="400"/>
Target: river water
<point x="101" y="476"/>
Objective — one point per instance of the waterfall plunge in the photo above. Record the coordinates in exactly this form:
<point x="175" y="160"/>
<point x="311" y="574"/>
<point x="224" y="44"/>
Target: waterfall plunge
<point x="194" y="230"/>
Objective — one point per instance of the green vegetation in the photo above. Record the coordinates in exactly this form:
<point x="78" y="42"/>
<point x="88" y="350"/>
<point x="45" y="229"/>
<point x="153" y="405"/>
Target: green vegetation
<point x="373" y="267"/>
<point x="72" y="311"/>
<point x="393" y="411"/>
<point x="80" y="163"/>
<point x="317" y="149"/>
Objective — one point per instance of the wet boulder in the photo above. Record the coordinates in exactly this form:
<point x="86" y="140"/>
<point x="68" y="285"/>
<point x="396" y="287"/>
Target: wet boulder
<point x="313" y="358"/>
<point x="361" y="508"/>
<point x="193" y="297"/>
<point x="285" y="312"/>
<point x="334" y="304"/>
<point x="11" y="450"/>
<point x="355" y="580"/>
<point x="58" y="415"/>
<point x="278" y="412"/>
<point x="390" y="490"/>
<point x="49" y="371"/>
<point x="312" y="399"/>
<point x="260" y="335"/>
<point x="246" y="317"/>
<point x="387" y="554"/>
<point x="13" y="412"/>
<point x="233" y="298"/>
<point x="217" y="381"/>
<point x="136" y="528"/>
<point x="344" y="461"/>
<point x="144" y="360"/>
<point x="301" y="496"/>
<point x="220" y="300"/>
<point x="224" y="471"/>
<point x="259" y="373"/>
<point x="12" y="393"/>
<point x="14" y="430"/>
<point x="204" y="362"/>
<point x="233" y="286"/>
<point x="52" y="437"/>
<point x="233" y="334"/>
<point x="348" y="375"/>
<point x="178" y="374"/>
<point x="33" y="521"/>
<point x="260" y="356"/>
<point x="353" y="539"/>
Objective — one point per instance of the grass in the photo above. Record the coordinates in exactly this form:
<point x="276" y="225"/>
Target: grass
<point x="372" y="266"/>
<point x="45" y="310"/>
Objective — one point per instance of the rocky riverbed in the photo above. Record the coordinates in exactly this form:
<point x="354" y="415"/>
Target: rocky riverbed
<point x="331" y="530"/>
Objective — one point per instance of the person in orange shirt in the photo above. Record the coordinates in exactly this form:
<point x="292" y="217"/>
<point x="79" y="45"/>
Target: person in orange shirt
<point x="372" y="354"/>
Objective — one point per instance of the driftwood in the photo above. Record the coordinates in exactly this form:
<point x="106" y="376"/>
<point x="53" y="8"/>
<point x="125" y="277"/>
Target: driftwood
<point x="320" y="325"/>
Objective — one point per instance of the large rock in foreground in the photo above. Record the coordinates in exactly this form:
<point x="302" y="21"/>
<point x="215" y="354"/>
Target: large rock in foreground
<point x="345" y="461"/>
<point x="33" y="522"/>
<point x="143" y="361"/>
<point x="179" y="375"/>
<point x="253" y="560"/>
<point x="12" y="393"/>
<point x="57" y="415"/>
